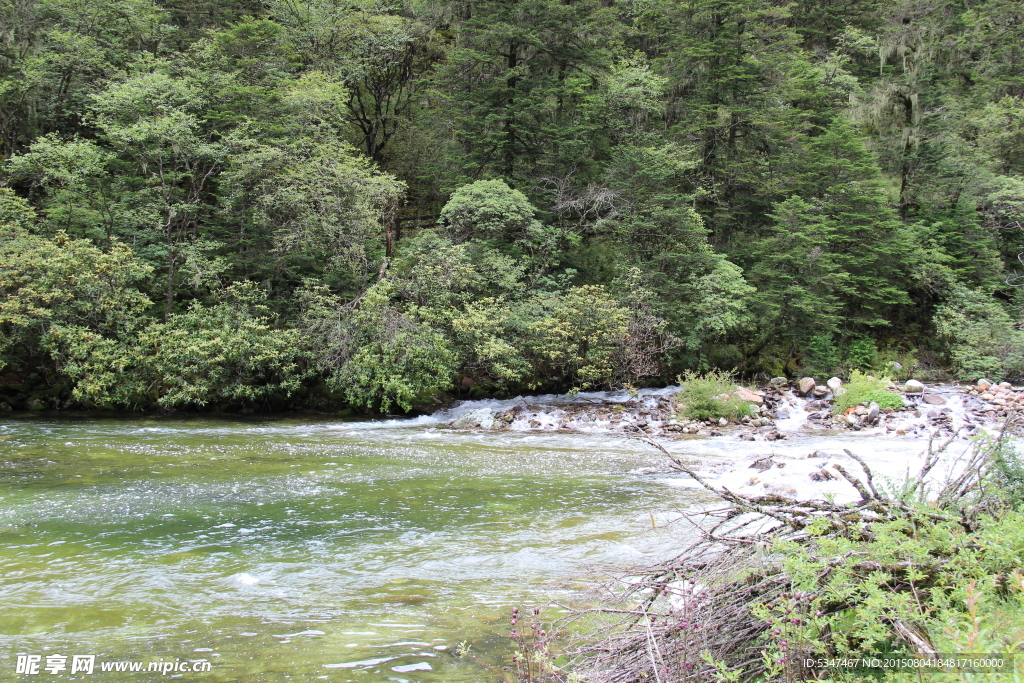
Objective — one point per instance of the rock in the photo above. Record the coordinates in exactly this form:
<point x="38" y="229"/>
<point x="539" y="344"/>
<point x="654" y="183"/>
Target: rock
<point x="983" y="384"/>
<point x="747" y="436"/>
<point x="482" y="418"/>
<point x="933" y="399"/>
<point x="722" y="421"/>
<point x="913" y="387"/>
<point x="986" y="396"/>
<point x="773" y="435"/>
<point x="782" y="415"/>
<point x="873" y="412"/>
<point x="1005" y="385"/>
<point x="748" y="396"/>
<point x="852" y="420"/>
<point x="822" y="475"/>
<point x="36" y="404"/>
<point x="834" y="383"/>
<point x="5" y="407"/>
<point x="860" y="411"/>
<point x="821" y="392"/>
<point x="805" y="385"/>
<point x="778" y="381"/>
<point x="762" y="464"/>
<point x="818" y="454"/>
<point x="839" y="391"/>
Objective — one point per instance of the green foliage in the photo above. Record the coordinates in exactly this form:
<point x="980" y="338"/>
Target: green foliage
<point x="821" y="357"/>
<point x="374" y="353"/>
<point x="861" y="354"/>
<point x="708" y="396"/>
<point x="979" y="336"/>
<point x="1008" y="471"/>
<point x="49" y="288"/>
<point x="864" y="388"/>
<point x="754" y="185"/>
<point x="222" y="355"/>
<point x="570" y="339"/>
<point x="957" y="588"/>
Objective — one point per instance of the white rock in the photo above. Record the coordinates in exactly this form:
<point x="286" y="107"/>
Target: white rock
<point x="834" y="383"/>
<point x="913" y="387"/>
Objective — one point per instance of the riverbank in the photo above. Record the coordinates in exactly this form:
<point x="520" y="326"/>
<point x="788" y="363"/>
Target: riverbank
<point x="779" y="410"/>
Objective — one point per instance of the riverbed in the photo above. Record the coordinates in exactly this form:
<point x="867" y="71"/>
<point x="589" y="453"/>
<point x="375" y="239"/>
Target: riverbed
<point x="305" y="549"/>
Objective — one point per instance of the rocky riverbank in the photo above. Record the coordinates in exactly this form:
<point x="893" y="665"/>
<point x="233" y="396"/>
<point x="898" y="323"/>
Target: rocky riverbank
<point x="779" y="408"/>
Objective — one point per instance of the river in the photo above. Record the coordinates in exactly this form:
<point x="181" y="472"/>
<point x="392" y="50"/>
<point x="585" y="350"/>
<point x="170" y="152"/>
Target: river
<point x="298" y="549"/>
<point x="291" y="549"/>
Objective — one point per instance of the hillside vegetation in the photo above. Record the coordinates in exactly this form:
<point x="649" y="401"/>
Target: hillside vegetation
<point x="315" y="203"/>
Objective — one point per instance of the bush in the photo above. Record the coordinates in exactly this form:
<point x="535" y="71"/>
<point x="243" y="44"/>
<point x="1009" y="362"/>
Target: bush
<point x="821" y="356"/>
<point x="861" y="354"/>
<point x="980" y="336"/>
<point x="707" y="396"/>
<point x="865" y="389"/>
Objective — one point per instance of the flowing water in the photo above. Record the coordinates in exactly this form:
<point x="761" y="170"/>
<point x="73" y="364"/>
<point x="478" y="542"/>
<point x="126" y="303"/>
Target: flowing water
<point x="285" y="549"/>
<point x="292" y="549"/>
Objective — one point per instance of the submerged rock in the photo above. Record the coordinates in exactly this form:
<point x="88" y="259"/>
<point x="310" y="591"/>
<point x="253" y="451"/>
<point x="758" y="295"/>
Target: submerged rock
<point x="933" y="399"/>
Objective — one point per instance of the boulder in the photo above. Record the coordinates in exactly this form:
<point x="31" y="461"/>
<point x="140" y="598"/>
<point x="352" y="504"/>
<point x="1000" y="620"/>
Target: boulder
<point x="913" y="387"/>
<point x="748" y="396"/>
<point x="834" y="384"/>
<point x="1005" y="385"/>
<point x="821" y="392"/>
<point x="723" y="421"/>
<point x="983" y="384"/>
<point x="778" y="381"/>
<point x="36" y="404"/>
<point x="933" y="399"/>
<point x="805" y="385"/>
<point x="482" y="418"/>
<point x="873" y="412"/>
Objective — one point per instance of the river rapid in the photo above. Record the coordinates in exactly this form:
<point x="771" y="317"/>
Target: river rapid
<point x="300" y="549"/>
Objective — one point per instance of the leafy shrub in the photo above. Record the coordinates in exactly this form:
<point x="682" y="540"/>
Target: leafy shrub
<point x="707" y="396"/>
<point x="1008" y="471"/>
<point x="865" y="389"/>
<point x="979" y="336"/>
<point x="821" y="357"/>
<point x="861" y="354"/>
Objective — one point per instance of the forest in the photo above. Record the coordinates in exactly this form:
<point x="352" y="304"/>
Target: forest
<point x="365" y="204"/>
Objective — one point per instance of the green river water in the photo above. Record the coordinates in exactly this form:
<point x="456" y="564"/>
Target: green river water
<point x="291" y="549"/>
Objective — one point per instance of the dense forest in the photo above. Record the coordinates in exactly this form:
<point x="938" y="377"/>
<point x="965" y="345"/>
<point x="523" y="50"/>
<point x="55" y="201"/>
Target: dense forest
<point x="264" y="205"/>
